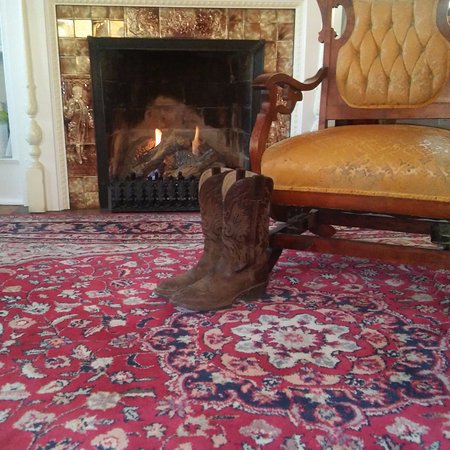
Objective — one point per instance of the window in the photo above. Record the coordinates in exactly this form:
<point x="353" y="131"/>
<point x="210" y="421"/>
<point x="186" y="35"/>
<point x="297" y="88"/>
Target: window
<point x="5" y="147"/>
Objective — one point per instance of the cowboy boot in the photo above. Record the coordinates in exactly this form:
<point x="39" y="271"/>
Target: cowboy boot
<point x="210" y="200"/>
<point x="243" y="267"/>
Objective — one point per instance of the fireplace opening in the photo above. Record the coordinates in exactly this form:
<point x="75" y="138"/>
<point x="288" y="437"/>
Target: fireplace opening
<point x="165" y="110"/>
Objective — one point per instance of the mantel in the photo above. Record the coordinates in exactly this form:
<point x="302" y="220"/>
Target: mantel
<point x="280" y="4"/>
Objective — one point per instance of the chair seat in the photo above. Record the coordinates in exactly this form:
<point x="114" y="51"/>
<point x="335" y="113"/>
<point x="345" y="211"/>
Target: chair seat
<point x="364" y="160"/>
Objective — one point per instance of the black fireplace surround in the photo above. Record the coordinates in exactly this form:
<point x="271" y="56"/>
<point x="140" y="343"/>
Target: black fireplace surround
<point x="211" y="76"/>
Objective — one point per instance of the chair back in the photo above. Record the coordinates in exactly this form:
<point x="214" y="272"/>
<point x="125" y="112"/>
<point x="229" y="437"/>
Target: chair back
<point x="391" y="61"/>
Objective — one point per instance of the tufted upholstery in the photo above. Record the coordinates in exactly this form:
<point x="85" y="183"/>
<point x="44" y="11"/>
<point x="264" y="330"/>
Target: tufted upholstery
<point x="413" y="65"/>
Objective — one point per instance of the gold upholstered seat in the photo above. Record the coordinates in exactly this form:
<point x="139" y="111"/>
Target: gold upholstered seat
<point x="380" y="165"/>
<point x="364" y="160"/>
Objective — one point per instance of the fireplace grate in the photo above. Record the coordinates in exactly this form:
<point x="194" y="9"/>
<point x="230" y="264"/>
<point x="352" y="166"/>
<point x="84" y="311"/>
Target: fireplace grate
<point x="162" y="194"/>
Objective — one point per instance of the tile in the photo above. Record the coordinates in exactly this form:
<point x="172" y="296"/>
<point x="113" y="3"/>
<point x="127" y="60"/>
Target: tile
<point x="76" y="186"/>
<point x="99" y="12"/>
<point x="269" y="16"/>
<point x="82" y="47"/>
<point x="65" y="28"/>
<point x="100" y="28"/>
<point x="269" y="31"/>
<point x="284" y="65"/>
<point x="90" y="184"/>
<point x="270" y="65"/>
<point x="285" y="32"/>
<point x="285" y="49"/>
<point x="199" y="23"/>
<point x="83" y="27"/>
<point x="210" y="23"/>
<point x="64" y="11"/>
<point x="116" y="12"/>
<point x="252" y="30"/>
<point x="142" y="22"/>
<point x="82" y="200"/>
<point x="81" y="12"/>
<point x="78" y="123"/>
<point x="270" y="50"/>
<point x="82" y="164"/>
<point x="83" y="192"/>
<point x="83" y="65"/>
<point x="67" y="47"/>
<point x="253" y="16"/>
<point x="117" y="28"/>
<point x="286" y="15"/>
<point x="177" y="22"/>
<point x="91" y="198"/>
<point x="235" y="30"/>
<point x="69" y="82"/>
<point x="73" y="47"/>
<point x="236" y="15"/>
<point x="68" y="65"/>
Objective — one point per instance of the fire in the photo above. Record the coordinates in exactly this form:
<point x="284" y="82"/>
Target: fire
<point x="196" y="142"/>
<point x="158" y="134"/>
<point x="153" y="142"/>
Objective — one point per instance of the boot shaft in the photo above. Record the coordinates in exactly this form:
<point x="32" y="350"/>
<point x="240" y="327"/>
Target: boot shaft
<point x="246" y="215"/>
<point x="211" y="203"/>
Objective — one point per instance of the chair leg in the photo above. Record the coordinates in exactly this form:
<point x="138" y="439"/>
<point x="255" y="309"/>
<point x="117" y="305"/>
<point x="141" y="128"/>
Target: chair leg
<point x="440" y="235"/>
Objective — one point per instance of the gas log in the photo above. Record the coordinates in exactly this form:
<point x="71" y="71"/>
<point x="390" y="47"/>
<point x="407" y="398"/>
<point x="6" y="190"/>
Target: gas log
<point x="180" y="154"/>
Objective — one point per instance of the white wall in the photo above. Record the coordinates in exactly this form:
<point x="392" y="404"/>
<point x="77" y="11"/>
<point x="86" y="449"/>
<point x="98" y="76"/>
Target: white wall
<point x="307" y="60"/>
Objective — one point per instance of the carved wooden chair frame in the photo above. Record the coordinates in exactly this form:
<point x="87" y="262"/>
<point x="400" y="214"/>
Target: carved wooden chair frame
<point x="309" y="222"/>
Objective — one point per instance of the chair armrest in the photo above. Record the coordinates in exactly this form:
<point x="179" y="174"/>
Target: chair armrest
<point x="279" y="95"/>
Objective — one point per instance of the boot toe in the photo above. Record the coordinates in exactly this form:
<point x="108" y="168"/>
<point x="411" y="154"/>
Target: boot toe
<point x="167" y="288"/>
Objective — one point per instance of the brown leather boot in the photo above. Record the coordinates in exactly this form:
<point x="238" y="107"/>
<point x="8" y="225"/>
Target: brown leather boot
<point x="210" y="200"/>
<point x="243" y="267"/>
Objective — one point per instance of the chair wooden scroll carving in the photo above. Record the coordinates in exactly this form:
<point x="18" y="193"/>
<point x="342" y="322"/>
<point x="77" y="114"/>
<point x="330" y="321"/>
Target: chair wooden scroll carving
<point x="382" y="166"/>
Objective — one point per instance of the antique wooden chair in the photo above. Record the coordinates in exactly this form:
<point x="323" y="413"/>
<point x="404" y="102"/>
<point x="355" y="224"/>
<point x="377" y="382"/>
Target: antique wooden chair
<point x="381" y="165"/>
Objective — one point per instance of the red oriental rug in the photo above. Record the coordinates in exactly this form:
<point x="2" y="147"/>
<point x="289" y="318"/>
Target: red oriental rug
<point x="341" y="353"/>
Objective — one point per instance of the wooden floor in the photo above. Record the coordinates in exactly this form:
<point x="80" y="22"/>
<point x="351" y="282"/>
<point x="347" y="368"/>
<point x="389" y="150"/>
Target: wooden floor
<point x="13" y="209"/>
<point x="17" y="210"/>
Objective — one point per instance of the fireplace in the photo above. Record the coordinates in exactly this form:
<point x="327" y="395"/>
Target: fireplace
<point x="165" y="110"/>
<point x="77" y="22"/>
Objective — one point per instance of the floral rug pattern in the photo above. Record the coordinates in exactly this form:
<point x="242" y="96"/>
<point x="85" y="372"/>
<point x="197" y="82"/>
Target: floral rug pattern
<point x="340" y="353"/>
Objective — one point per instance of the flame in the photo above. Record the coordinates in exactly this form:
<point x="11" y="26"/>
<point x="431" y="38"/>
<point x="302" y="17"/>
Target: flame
<point x="196" y="142"/>
<point x="158" y="134"/>
<point x="153" y="142"/>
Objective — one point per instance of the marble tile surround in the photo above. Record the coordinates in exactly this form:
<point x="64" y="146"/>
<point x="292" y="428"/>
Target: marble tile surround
<point x="75" y="23"/>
